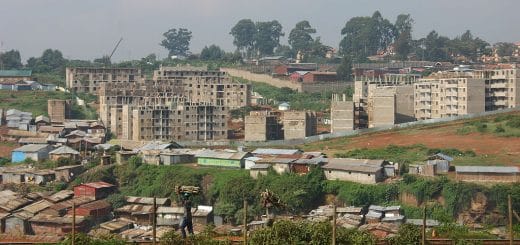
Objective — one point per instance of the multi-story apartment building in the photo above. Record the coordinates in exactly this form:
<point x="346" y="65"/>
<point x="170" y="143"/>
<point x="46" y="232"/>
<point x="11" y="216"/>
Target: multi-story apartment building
<point x="89" y="79"/>
<point x="502" y="87"/>
<point x="448" y="95"/>
<point x="201" y="85"/>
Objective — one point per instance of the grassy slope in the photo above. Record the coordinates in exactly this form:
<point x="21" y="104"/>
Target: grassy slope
<point x="36" y="102"/>
<point x="419" y="148"/>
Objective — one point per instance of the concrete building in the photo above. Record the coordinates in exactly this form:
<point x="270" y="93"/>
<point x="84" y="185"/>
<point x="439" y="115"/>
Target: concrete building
<point x="487" y="174"/>
<point x="356" y="170"/>
<point x="389" y="105"/>
<point x="89" y="79"/>
<point x="10" y="77"/>
<point x="299" y="124"/>
<point x="173" y="103"/>
<point x="59" y="110"/>
<point x="502" y="87"/>
<point x="262" y="126"/>
<point x="341" y="114"/>
<point x="450" y="95"/>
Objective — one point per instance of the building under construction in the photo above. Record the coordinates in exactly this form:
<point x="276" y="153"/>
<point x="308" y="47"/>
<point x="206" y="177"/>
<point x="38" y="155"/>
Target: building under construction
<point x="180" y="103"/>
<point x="89" y="79"/>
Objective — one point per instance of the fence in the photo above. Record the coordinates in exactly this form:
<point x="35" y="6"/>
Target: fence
<point x="356" y="132"/>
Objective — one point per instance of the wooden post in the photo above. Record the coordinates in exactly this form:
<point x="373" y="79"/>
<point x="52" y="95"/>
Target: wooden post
<point x="73" y="223"/>
<point x="245" y="222"/>
<point x="423" y="230"/>
<point x="154" y="220"/>
<point x="334" y="224"/>
<point x="510" y="208"/>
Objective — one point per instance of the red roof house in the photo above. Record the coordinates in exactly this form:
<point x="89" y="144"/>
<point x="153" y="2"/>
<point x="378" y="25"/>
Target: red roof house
<point x="97" y="190"/>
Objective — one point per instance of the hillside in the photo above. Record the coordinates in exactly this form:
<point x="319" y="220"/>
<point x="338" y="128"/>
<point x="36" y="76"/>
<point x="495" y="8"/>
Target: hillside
<point x="494" y="140"/>
<point x="36" y="102"/>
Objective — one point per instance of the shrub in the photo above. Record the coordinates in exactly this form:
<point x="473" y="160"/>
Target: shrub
<point x="499" y="129"/>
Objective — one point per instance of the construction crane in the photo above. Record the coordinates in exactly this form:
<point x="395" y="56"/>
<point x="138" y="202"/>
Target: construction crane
<point x="114" y="50"/>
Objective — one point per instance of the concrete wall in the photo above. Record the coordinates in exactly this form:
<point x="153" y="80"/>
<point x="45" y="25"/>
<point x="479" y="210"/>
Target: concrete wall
<point x="263" y="78"/>
<point x="342" y="116"/>
<point x="487" y="177"/>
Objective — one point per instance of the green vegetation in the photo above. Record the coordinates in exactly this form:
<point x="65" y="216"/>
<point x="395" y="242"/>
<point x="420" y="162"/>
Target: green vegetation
<point x="411" y="154"/>
<point x="36" y="102"/>
<point x="298" y="101"/>
<point x="507" y="125"/>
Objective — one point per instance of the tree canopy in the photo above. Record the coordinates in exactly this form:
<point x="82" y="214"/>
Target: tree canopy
<point x="244" y="33"/>
<point x="177" y="41"/>
<point x="10" y="60"/>
<point x="260" y="38"/>
<point x="300" y="37"/>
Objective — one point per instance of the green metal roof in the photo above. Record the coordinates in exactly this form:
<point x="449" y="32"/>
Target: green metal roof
<point x="15" y="73"/>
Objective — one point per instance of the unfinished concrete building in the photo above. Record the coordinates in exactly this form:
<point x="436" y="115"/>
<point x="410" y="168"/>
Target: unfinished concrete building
<point x="299" y="124"/>
<point x="89" y="79"/>
<point x="59" y="110"/>
<point x="201" y="85"/>
<point x="341" y="114"/>
<point x="389" y="105"/>
<point x="449" y="95"/>
<point x="262" y="126"/>
<point x="181" y="120"/>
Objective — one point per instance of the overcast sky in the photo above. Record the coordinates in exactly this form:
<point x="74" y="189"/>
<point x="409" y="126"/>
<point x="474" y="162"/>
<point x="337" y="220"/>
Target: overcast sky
<point x="87" y="29"/>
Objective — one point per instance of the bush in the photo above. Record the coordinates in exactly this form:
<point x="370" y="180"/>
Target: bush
<point x="500" y="129"/>
<point x="514" y="122"/>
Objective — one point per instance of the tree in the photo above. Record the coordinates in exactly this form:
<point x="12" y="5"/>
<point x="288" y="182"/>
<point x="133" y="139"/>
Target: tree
<point x="467" y="46"/>
<point x="403" y="43"/>
<point x="244" y="33"/>
<point x="505" y="49"/>
<point x="344" y="70"/>
<point x="435" y="47"/>
<point x="177" y="42"/>
<point x="300" y="37"/>
<point x="364" y="36"/>
<point x="50" y="61"/>
<point x="212" y="52"/>
<point x="10" y="60"/>
<point x="268" y="36"/>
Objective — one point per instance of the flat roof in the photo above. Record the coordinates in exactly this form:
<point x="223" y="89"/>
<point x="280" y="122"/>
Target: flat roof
<point x="485" y="169"/>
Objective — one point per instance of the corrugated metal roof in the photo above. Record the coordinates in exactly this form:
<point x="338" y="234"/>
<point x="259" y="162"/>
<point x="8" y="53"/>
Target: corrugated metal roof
<point x="277" y="160"/>
<point x="419" y="222"/>
<point x="64" y="150"/>
<point x="356" y="165"/>
<point x="60" y="196"/>
<point x="37" y="206"/>
<point x="15" y="73"/>
<point x="31" y="148"/>
<point x="47" y="218"/>
<point x="147" y="200"/>
<point x="136" y="209"/>
<point x="116" y="224"/>
<point x="32" y="140"/>
<point x="485" y="169"/>
<point x="221" y="154"/>
<point x="98" y="185"/>
<point x="99" y="204"/>
<point x="270" y="151"/>
<point x="261" y="166"/>
<point x="444" y="157"/>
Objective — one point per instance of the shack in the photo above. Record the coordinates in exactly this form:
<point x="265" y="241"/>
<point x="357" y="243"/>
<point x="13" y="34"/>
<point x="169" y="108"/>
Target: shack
<point x="97" y="211"/>
<point x="259" y="169"/>
<point x="68" y="173"/>
<point x="43" y="224"/>
<point x="96" y="190"/>
<point x="487" y="174"/>
<point x="64" y="152"/>
<point x="362" y="171"/>
<point x="32" y="151"/>
<point x="222" y="158"/>
<point x="138" y="213"/>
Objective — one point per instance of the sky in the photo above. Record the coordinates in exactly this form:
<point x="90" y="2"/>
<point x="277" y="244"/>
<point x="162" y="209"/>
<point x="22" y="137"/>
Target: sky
<point x="88" y="29"/>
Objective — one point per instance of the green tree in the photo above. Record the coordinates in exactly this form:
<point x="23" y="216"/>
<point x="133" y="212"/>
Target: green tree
<point x="403" y="43"/>
<point x="467" y="45"/>
<point x="212" y="52"/>
<point x="300" y="37"/>
<point x="505" y="49"/>
<point x="407" y="235"/>
<point x="177" y="41"/>
<point x="268" y="36"/>
<point x="364" y="36"/>
<point x="50" y="61"/>
<point x="244" y="33"/>
<point x="344" y="70"/>
<point x="10" y="60"/>
<point x="435" y="47"/>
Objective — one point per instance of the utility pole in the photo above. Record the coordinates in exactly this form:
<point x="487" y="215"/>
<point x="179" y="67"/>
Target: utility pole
<point x="334" y="224"/>
<point x="423" y="230"/>
<point x="73" y="223"/>
<point x="510" y="208"/>
<point x="154" y="221"/>
<point x="245" y="222"/>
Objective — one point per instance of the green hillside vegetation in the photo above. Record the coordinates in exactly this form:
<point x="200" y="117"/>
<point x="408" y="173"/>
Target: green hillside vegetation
<point x="36" y="102"/>
<point x="415" y="154"/>
<point x="298" y="101"/>
<point x="507" y="125"/>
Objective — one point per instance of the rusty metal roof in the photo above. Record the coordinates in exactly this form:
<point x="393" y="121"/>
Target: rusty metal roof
<point x="47" y="218"/>
<point x="98" y="185"/>
<point x="136" y="209"/>
<point x="37" y="206"/>
<point x="147" y="200"/>
<point x="99" y="204"/>
<point x="116" y="224"/>
<point x="60" y="196"/>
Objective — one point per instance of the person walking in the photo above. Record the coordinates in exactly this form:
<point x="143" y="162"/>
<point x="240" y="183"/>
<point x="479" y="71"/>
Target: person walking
<point x="187" y="218"/>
